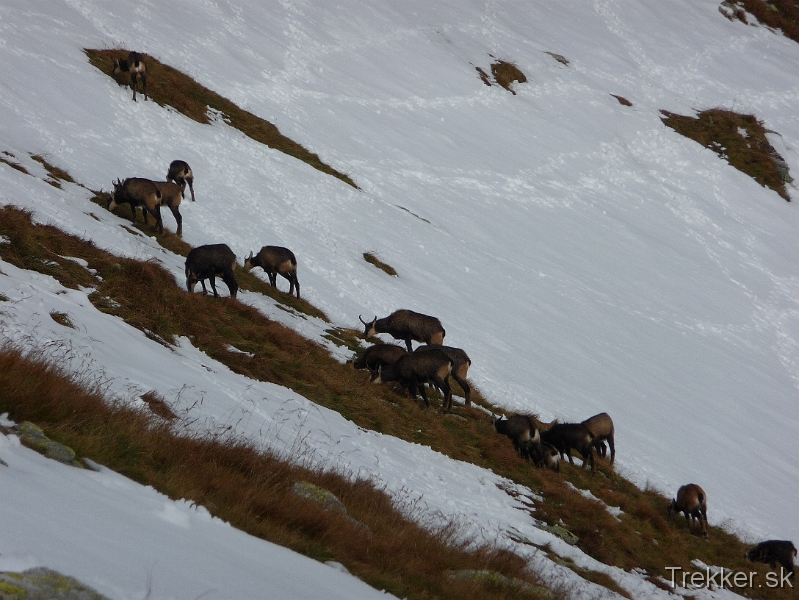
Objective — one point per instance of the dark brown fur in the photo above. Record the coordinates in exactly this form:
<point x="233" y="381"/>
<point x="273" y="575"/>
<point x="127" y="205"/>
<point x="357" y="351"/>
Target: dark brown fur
<point x="179" y="170"/>
<point x="206" y="262"/>
<point x="522" y="431"/>
<point x="171" y="195"/>
<point x="276" y="260"/>
<point x="137" y="69"/>
<point x="414" y="370"/>
<point x="460" y="366"/>
<point x="565" y="436"/>
<point x="692" y="502"/>
<point x="407" y="325"/>
<point x="772" y="552"/>
<point x="138" y="192"/>
<point x="601" y="426"/>
<point x="377" y="356"/>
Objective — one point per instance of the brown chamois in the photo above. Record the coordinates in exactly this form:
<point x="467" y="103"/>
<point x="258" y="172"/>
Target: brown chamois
<point x="179" y="170"/>
<point x="171" y="195"/>
<point x="414" y="370"/>
<point x="137" y="69"/>
<point x="601" y="426"/>
<point x="692" y="502"/>
<point x="460" y="366"/>
<point x="138" y="192"/>
<point x="276" y="260"/>
<point x="545" y="455"/>
<point x="772" y="552"/>
<point x="522" y="431"/>
<point x="565" y="436"/>
<point x="208" y="262"/>
<point x="406" y="325"/>
<point x="378" y="356"/>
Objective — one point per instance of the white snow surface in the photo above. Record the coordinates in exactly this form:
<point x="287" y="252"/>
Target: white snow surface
<point x="587" y="257"/>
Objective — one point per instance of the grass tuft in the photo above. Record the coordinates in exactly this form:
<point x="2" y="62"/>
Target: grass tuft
<point x="777" y="14"/>
<point x="372" y="259"/>
<point x="506" y="74"/>
<point x="738" y="139"/>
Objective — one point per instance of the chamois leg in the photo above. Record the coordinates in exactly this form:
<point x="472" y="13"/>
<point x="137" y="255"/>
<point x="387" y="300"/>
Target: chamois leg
<point x="412" y="388"/>
<point x="467" y="391"/>
<point x="178" y="220"/>
<point x="443" y="385"/>
<point x="612" y="445"/>
<point x="212" y="279"/>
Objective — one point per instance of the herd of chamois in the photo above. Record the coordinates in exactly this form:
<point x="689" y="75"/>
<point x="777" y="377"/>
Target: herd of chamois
<point x="431" y="363"/>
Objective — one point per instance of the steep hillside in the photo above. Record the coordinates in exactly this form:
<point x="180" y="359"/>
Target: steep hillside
<point x="587" y="256"/>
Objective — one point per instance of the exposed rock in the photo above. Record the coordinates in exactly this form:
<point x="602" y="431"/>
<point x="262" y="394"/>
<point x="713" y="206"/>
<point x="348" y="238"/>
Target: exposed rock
<point x="564" y="534"/>
<point x="326" y="499"/>
<point x="33" y="437"/>
<point x="44" y="584"/>
<point x="321" y="496"/>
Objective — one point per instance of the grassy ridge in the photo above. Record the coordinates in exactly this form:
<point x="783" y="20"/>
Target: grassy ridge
<point x="170" y="87"/>
<point x="139" y="292"/>
<point x="253" y="490"/>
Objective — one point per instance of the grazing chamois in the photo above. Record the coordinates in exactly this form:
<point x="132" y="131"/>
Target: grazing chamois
<point x="276" y="260"/>
<point x="171" y="195"/>
<point x="137" y="69"/>
<point x="601" y="426"/>
<point x="413" y="370"/>
<point x="138" y="192"/>
<point x="565" y="436"/>
<point x="378" y="356"/>
<point x="772" y="552"/>
<point x="179" y="170"/>
<point x="406" y="325"/>
<point x="692" y="502"/>
<point x="460" y="366"/>
<point x="208" y="262"/>
<point x="545" y="455"/>
<point x="522" y="431"/>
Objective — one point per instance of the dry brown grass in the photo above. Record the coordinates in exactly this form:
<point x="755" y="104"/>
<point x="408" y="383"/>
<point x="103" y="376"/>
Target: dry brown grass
<point x="251" y="489"/>
<point x="372" y="259"/>
<point x="57" y="174"/>
<point x="720" y="131"/>
<point x="506" y="74"/>
<point x="147" y="297"/>
<point x="8" y="159"/>
<point x="778" y="14"/>
<point x="170" y="87"/>
<point x="622" y="100"/>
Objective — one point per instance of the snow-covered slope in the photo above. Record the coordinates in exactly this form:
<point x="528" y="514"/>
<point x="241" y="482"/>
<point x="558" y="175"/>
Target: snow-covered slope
<point x="587" y="257"/>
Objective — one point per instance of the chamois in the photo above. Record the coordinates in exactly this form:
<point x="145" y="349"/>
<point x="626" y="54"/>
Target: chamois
<point x="565" y="436"/>
<point x="179" y="170"/>
<point x="137" y="69"/>
<point x="413" y="370"/>
<point x="460" y="366"/>
<point x="206" y="262"/>
<point x="171" y="195"/>
<point x="406" y="325"/>
<point x="545" y="455"/>
<point x="378" y="356"/>
<point x="276" y="260"/>
<point x="138" y="192"/>
<point x="522" y="431"/>
<point x="772" y="552"/>
<point x="601" y="426"/>
<point x="692" y="502"/>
